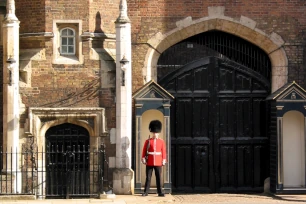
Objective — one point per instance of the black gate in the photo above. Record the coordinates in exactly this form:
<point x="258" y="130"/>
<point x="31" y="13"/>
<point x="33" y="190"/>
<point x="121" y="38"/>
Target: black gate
<point x="218" y="127"/>
<point x="67" y="161"/>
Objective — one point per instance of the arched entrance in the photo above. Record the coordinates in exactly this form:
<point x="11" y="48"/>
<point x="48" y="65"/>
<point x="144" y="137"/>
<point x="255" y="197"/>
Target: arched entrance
<point x="270" y="43"/>
<point x="219" y="140"/>
<point x="67" y="161"/>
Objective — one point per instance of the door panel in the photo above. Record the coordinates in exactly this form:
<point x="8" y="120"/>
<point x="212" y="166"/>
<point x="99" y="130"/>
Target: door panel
<point x="184" y="166"/>
<point x="244" y="125"/>
<point x="244" y="165"/>
<point x="218" y="127"/>
<point x="201" y="78"/>
<point x="226" y="79"/>
<point x="227" y="166"/>
<point x="260" y="154"/>
<point x="184" y="81"/>
<point x="201" y="166"/>
<point x="226" y="119"/>
<point x="259" y="118"/>
<point x="201" y="114"/>
<point x="184" y="115"/>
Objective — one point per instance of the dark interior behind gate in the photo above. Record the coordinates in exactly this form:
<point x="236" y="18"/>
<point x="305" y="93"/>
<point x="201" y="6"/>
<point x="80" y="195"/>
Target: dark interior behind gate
<point x="67" y="161"/>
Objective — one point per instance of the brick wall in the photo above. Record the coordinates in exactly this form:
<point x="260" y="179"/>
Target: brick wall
<point x="148" y="17"/>
<point x="67" y="85"/>
<point x="55" y="85"/>
<point x="285" y="18"/>
<point x="102" y="15"/>
<point x="58" y="85"/>
<point x="32" y="15"/>
<point x="37" y="15"/>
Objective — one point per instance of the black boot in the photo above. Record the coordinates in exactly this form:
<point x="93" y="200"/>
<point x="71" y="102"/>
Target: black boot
<point x="161" y="195"/>
<point x="145" y="194"/>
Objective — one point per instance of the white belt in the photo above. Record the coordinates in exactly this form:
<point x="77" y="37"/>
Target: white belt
<point x="154" y="153"/>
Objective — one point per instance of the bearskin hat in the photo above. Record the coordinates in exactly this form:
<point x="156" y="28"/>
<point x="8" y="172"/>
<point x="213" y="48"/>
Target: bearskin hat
<point x="155" y="126"/>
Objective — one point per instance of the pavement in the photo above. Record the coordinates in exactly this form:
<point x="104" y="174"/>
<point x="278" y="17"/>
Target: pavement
<point x="173" y="198"/>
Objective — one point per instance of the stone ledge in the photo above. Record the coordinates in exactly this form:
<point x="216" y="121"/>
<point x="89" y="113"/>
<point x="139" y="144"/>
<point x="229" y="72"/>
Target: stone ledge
<point x="17" y="197"/>
<point x="107" y="196"/>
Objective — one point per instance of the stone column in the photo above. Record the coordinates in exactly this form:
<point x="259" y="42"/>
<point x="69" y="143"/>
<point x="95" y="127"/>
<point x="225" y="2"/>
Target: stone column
<point x="123" y="176"/>
<point x="11" y="93"/>
<point x="280" y="173"/>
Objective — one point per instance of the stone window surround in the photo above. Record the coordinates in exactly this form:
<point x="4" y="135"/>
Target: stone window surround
<point x="76" y="25"/>
<point x="244" y="27"/>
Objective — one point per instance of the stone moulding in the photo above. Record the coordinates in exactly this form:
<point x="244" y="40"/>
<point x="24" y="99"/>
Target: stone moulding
<point x="41" y="119"/>
<point x="245" y="28"/>
<point x="37" y="36"/>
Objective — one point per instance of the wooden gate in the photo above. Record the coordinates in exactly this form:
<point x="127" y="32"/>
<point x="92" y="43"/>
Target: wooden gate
<point x="219" y="134"/>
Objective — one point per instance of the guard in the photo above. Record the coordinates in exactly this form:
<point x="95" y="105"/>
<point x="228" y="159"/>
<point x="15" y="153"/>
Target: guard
<point x="154" y="156"/>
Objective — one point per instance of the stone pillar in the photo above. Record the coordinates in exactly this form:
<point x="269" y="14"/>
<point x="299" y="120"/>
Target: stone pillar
<point x="11" y="92"/>
<point x="123" y="176"/>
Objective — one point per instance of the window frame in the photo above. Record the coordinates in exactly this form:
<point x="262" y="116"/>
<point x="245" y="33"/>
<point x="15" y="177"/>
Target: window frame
<point x="67" y="45"/>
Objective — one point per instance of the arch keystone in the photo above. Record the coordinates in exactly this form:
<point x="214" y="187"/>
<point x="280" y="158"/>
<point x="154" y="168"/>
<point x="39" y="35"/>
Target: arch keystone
<point x="277" y="39"/>
<point x="216" y="11"/>
<point x="156" y="39"/>
<point x="247" y="22"/>
<point x="184" y="23"/>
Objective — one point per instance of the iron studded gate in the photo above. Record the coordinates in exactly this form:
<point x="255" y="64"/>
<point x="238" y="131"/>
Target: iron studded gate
<point x="71" y="168"/>
<point x="218" y="129"/>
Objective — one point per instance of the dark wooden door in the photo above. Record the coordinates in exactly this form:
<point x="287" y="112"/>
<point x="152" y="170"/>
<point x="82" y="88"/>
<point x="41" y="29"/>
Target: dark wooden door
<point x="218" y="127"/>
<point x="67" y="161"/>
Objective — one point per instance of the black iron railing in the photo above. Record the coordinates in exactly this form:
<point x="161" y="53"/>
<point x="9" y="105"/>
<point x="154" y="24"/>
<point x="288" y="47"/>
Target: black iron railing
<point x="62" y="171"/>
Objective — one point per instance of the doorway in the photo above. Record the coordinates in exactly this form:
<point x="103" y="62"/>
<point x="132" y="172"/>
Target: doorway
<point x="219" y="140"/>
<point x="67" y="161"/>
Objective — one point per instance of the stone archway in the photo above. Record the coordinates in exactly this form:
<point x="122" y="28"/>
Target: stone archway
<point x="245" y="28"/>
<point x="42" y="119"/>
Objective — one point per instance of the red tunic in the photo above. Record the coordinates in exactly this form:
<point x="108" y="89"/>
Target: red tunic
<point x="157" y="152"/>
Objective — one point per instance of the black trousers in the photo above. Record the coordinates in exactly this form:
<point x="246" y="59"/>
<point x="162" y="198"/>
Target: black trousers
<point x="158" y="171"/>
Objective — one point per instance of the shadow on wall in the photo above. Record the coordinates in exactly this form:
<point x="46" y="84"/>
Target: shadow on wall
<point x="71" y="97"/>
<point x="107" y="56"/>
<point x="125" y="145"/>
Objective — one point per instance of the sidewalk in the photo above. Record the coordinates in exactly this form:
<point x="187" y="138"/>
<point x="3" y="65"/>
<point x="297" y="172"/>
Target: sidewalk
<point x="223" y="198"/>
<point x="119" y="199"/>
<point x="176" y="198"/>
<point x="150" y="199"/>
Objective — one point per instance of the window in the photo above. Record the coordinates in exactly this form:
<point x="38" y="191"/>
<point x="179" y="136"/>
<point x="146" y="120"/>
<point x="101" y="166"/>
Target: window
<point x="67" y="41"/>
